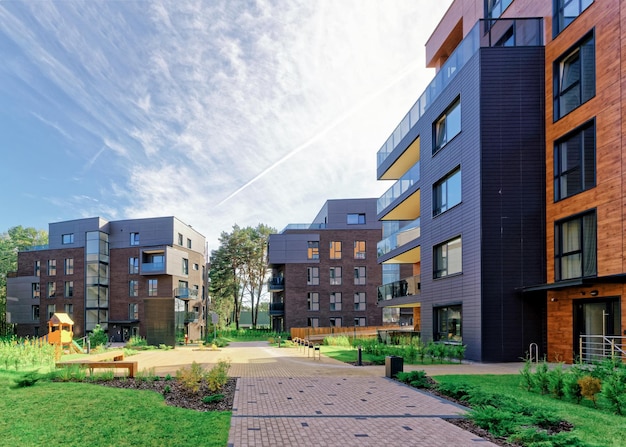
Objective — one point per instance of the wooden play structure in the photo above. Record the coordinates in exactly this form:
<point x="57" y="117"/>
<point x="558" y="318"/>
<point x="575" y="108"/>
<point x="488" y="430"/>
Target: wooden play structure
<point x="60" y="332"/>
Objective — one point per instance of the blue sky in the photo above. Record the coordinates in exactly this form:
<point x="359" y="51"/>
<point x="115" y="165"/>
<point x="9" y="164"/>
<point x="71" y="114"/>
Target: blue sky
<point x="217" y="112"/>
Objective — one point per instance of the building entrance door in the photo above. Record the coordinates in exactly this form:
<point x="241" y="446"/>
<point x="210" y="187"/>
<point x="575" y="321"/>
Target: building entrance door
<point x="594" y="319"/>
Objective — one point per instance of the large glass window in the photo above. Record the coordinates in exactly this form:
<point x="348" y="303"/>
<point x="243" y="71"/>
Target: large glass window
<point x="37" y="268"/>
<point x="312" y="276"/>
<point x="447" y="126"/>
<point x="133" y="311"/>
<point x="133" y="265"/>
<point x="447" y="259"/>
<point x="313" y="250"/>
<point x="35" y="312"/>
<point x="35" y="290"/>
<point x="313" y="301"/>
<point x="575" y="77"/>
<point x="566" y="11"/>
<point x="335" y="250"/>
<point x="359" y="249"/>
<point x="51" y="310"/>
<point x="335" y="301"/>
<point x="356" y="219"/>
<point x="69" y="309"/>
<point x="133" y="287"/>
<point x="185" y="266"/>
<point x="575" y="162"/>
<point x="575" y="247"/>
<point x="495" y="8"/>
<point x="448" y="323"/>
<point x="67" y="239"/>
<point x="360" y="278"/>
<point x="359" y="301"/>
<point x="134" y="238"/>
<point x="69" y="289"/>
<point x="335" y="276"/>
<point x="447" y="192"/>
<point x="52" y="267"/>
<point x="52" y="289"/>
<point x="313" y="322"/>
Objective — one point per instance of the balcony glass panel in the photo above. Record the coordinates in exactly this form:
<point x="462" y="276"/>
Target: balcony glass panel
<point x="411" y="177"/>
<point x="403" y="236"/>
<point x="397" y="289"/>
<point x="149" y="267"/>
<point x="526" y="32"/>
<point x="277" y="308"/>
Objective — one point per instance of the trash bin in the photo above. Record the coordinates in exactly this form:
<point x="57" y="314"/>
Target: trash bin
<point x="393" y="365"/>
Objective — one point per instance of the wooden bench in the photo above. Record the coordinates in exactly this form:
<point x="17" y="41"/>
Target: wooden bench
<point x="105" y="360"/>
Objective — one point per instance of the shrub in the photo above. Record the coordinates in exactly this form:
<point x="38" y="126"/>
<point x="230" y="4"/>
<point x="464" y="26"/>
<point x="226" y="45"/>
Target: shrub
<point x="213" y="398"/>
<point x="98" y="337"/>
<point x="527" y="375"/>
<point x="458" y="391"/>
<point x="499" y="422"/>
<point x="26" y="380"/>
<point x="190" y="377"/>
<point x="338" y="340"/>
<point x="614" y="391"/>
<point x="218" y="375"/>
<point x="556" y="381"/>
<point x="417" y="379"/>
<point x="590" y="387"/>
<point x="571" y="387"/>
<point x="136" y="341"/>
<point x="541" y="380"/>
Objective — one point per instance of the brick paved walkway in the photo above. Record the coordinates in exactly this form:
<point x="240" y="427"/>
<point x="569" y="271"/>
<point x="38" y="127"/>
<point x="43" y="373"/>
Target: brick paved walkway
<point x="286" y="398"/>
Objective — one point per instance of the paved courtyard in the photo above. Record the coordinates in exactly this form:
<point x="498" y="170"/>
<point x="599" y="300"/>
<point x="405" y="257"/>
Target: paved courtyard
<point x="285" y="397"/>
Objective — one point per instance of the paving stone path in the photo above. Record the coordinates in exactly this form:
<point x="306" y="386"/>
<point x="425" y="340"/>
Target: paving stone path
<point x="285" y="397"/>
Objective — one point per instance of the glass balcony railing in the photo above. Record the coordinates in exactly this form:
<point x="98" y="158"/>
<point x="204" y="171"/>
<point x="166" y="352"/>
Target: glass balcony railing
<point x="404" y="287"/>
<point x="152" y="267"/>
<point x="276" y="284"/>
<point x="191" y="317"/>
<point x="36" y="248"/>
<point x="518" y="32"/>
<point x="185" y="292"/>
<point x="305" y="226"/>
<point x="277" y="308"/>
<point x="403" y="236"/>
<point x="411" y="177"/>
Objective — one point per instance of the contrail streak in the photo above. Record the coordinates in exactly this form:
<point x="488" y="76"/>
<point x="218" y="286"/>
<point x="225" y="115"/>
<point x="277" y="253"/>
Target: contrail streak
<point x="324" y="131"/>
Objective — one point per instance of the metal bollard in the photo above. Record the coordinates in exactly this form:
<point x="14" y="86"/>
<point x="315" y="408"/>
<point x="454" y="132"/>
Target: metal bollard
<point x="360" y="358"/>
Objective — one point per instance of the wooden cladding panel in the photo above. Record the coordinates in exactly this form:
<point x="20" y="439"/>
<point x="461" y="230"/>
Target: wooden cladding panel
<point x="606" y="19"/>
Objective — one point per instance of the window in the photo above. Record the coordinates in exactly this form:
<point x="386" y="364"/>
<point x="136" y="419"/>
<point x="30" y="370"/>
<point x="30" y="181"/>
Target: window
<point x="335" y="250"/>
<point x="359" y="321"/>
<point x="448" y="323"/>
<point x="312" y="276"/>
<point x="335" y="276"/>
<point x="496" y="7"/>
<point x="359" y="249"/>
<point x="133" y="311"/>
<point x="447" y="192"/>
<point x="313" y="251"/>
<point x="67" y="239"/>
<point x="153" y="287"/>
<point x="180" y="239"/>
<point x="447" y="258"/>
<point x="575" y="162"/>
<point x="195" y="266"/>
<point x="185" y="266"/>
<point x="313" y="301"/>
<point x="575" y="78"/>
<point x="133" y="265"/>
<point x="335" y="322"/>
<point x="68" y="289"/>
<point x="35" y="290"/>
<point x="35" y="312"/>
<point x="360" y="277"/>
<point x="68" y="266"/>
<point x="575" y="247"/>
<point x="566" y="11"/>
<point x="335" y="300"/>
<point x="447" y="126"/>
<point x="356" y="219"/>
<point x="69" y="309"/>
<point x="52" y="267"/>
<point x="134" y="238"/>
<point x="359" y="301"/>
<point x="52" y="289"/>
<point x="133" y="287"/>
<point x="189" y="243"/>
<point x="37" y="268"/>
<point x="51" y="310"/>
<point x="313" y="322"/>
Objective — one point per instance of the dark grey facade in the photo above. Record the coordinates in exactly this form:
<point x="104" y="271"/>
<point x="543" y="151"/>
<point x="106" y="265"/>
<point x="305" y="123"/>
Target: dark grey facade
<point x="500" y="152"/>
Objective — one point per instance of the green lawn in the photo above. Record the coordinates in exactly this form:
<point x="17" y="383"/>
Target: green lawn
<point x="79" y="414"/>
<point x="350" y="355"/>
<point x="597" y="428"/>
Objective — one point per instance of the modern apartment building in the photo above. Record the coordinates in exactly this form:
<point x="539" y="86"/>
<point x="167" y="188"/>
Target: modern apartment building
<point x="326" y="273"/>
<point x="132" y="277"/>
<point x="504" y="225"/>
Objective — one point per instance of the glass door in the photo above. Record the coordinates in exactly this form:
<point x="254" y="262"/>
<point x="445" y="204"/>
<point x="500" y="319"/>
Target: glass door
<point x="593" y="320"/>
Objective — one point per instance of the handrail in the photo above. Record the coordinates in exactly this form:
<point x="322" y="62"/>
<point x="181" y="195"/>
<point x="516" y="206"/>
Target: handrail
<point x="597" y="347"/>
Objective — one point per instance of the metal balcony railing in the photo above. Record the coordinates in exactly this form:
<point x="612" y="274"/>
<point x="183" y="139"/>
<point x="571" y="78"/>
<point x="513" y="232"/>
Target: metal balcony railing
<point x="276" y="284"/>
<point x="277" y="308"/>
<point x="592" y="348"/>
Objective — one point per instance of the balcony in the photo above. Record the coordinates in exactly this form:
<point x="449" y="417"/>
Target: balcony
<point x="191" y="317"/>
<point x="403" y="236"/>
<point x="185" y="293"/>
<point x="276" y="284"/>
<point x="152" y="268"/>
<point x="305" y="226"/>
<point x="485" y="33"/>
<point x="401" y="186"/>
<point x="277" y="309"/>
<point x="398" y="289"/>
